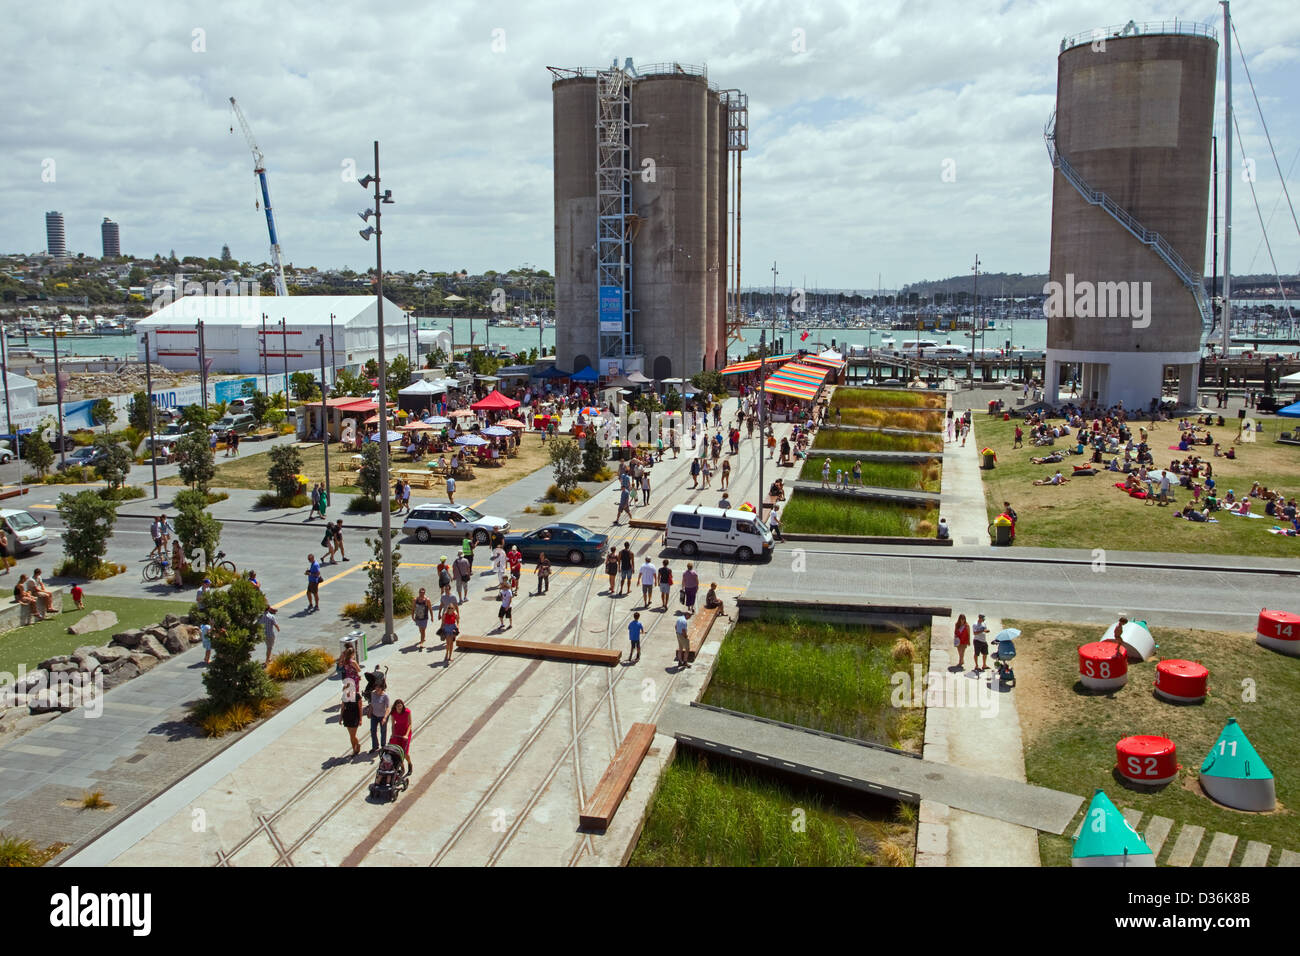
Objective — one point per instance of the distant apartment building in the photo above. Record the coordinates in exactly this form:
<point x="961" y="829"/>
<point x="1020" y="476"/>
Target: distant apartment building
<point x="108" y="231"/>
<point x="56" y="241"/>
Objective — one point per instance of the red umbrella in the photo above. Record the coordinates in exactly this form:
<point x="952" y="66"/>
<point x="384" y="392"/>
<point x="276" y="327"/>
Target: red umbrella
<point x="495" y="401"/>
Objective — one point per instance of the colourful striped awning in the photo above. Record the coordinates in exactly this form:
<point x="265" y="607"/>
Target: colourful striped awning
<point x="791" y="389"/>
<point x="830" y="363"/>
<point x="798" y="370"/>
<point x="737" y="367"/>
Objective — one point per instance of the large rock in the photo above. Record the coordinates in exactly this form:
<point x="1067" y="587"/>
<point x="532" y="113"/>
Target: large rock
<point x="158" y="631"/>
<point x="46" y="701"/>
<point x="84" y="658"/>
<point x="128" y="638"/>
<point x="68" y="667"/>
<point x="150" y="645"/>
<point x="177" y="639"/>
<point x="144" y="662"/>
<point x="111" y="655"/>
<point x="121" y="674"/>
<point x="170" y="621"/>
<point x="51" y="661"/>
<point x="94" y="621"/>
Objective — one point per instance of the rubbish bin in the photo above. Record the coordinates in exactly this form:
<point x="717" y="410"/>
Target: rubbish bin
<point x="990" y="459"/>
<point x="1000" y="530"/>
<point x="357" y="641"/>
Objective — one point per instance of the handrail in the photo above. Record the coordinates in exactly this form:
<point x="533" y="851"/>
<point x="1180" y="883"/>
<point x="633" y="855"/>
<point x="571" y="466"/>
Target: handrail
<point x="1148" y="237"/>
<point x="1147" y="28"/>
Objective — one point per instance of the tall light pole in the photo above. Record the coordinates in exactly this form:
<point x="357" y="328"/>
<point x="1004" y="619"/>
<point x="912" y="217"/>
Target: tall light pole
<point x="324" y="414"/>
<point x="203" y="369"/>
<point x="334" y="359"/>
<point x="284" y="355"/>
<point x="58" y="398"/>
<point x="266" y="362"/>
<point x="762" y="415"/>
<point x="774" y="275"/>
<point x="148" y="385"/>
<point x="390" y="634"/>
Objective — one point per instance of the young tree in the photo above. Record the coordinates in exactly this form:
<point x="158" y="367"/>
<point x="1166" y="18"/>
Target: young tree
<point x="197" y="466"/>
<point x="198" y="531"/>
<point x="349" y="383"/>
<point x="303" y="385"/>
<point x="371" y="368"/>
<point x="233" y="676"/>
<point x="194" y="418"/>
<point x="103" y="413"/>
<point x="258" y="406"/>
<point x="399" y="375"/>
<point x="286" y="466"/>
<point x="137" y="412"/>
<point x="593" y="458"/>
<point x="38" y="453"/>
<point x="89" y="520"/>
<point x="566" y="460"/>
<point x="116" y="464"/>
<point x="436" y="358"/>
<point x="375" y="571"/>
<point x="368" y="476"/>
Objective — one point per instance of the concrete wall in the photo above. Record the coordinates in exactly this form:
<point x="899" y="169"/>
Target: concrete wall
<point x="1135" y="121"/>
<point x="574" y="126"/>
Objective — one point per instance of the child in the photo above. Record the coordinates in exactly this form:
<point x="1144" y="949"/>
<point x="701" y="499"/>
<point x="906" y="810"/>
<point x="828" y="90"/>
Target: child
<point x="634" y="631"/>
<point x="839" y="477"/>
<point x="77" y="595"/>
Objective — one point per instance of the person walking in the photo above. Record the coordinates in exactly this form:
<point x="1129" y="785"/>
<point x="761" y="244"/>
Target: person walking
<point x="451" y="490"/>
<point x="501" y="566"/>
<point x="665" y="583"/>
<point x="461" y="570"/>
<point x="444" y="573"/>
<point x="645" y="488"/>
<point x="624" y="504"/>
<point x="706" y="472"/>
<point x="327" y="542"/>
<point x="313" y="573"/>
<point x="626" y="563"/>
<point x="338" y="538"/>
<point x="315" y="501"/>
<point x="165" y="530"/>
<point x="695" y="472"/>
<point x="350" y="712"/>
<point x="648" y="577"/>
<point x="682" y="629"/>
<point x="516" y="562"/>
<point x="826" y="473"/>
<point x="611" y="569"/>
<point x="450" y="628"/>
<point x="406" y="496"/>
<point x="544" y="575"/>
<point x="379" y="707"/>
<point x="774" y="522"/>
<point x="506" y="596"/>
<point x="420" y="614"/>
<point x="324" y="501"/>
<point x="467" y="549"/>
<point x="726" y="474"/>
<point x="690" y="587"/>
<point x="400" y="718"/>
<point x="961" y="640"/>
<point x="634" y="631"/>
<point x="155" y="532"/>
<point x="269" y="626"/>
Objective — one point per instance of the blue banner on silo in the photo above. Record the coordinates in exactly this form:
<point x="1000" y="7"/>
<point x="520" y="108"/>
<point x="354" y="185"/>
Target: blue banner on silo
<point x="611" y="308"/>
<point x="234" y="388"/>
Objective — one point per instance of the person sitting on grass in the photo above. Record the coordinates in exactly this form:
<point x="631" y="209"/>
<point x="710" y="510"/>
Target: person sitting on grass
<point x="1053" y="459"/>
<point x="1056" y="479"/>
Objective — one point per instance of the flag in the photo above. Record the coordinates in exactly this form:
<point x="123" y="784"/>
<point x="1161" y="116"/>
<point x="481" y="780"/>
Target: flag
<point x="804" y="336"/>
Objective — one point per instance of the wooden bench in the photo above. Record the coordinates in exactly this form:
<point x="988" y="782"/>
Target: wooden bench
<point x="424" y="479"/>
<point x="600" y="809"/>
<point x="697" y="631"/>
<point x="646" y="524"/>
<point x="562" y="652"/>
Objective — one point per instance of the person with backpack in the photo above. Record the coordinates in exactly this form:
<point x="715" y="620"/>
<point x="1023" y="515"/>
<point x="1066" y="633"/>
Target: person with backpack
<point x="544" y="575"/>
<point x="665" y="583"/>
<point x="327" y="542"/>
<point x="420" y="614"/>
<point x="444" y="573"/>
<point x="338" y="538"/>
<point x="461" y="571"/>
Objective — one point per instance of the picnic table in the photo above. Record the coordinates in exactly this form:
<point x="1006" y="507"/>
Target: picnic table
<point x="425" y="479"/>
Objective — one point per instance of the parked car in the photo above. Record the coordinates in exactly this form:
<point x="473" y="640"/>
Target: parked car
<point x="571" y="541"/>
<point x="6" y="453"/>
<point x="24" y="531"/>
<point x="87" y="456"/>
<point x="427" y="522"/>
<point x="241" y="422"/>
<point x="692" y="529"/>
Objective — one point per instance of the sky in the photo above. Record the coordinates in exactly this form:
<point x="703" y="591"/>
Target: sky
<point x="856" y="113"/>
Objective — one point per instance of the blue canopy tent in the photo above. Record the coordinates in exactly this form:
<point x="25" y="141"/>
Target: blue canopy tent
<point x="1291" y="411"/>
<point x="588" y="374"/>
<point x="552" y="372"/>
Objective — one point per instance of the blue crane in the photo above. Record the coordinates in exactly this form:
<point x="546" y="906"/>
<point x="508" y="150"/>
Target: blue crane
<point x="259" y="167"/>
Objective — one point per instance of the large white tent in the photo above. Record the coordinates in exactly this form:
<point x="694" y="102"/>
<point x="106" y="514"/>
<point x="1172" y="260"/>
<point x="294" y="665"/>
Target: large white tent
<point x="233" y="327"/>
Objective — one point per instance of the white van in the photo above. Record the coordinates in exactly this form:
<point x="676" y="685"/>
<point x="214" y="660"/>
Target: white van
<point x="24" y="532"/>
<point x="693" y="528"/>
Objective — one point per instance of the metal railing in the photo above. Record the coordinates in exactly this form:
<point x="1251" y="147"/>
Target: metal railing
<point x="1148" y="237"/>
<point x="1133" y="29"/>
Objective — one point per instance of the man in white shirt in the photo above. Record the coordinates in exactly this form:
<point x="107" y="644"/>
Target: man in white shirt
<point x="683" y="641"/>
<point x="648" y="576"/>
<point x="501" y="567"/>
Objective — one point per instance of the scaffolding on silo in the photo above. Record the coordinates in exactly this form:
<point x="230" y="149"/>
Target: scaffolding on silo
<point x="737" y="104"/>
<point x="613" y="202"/>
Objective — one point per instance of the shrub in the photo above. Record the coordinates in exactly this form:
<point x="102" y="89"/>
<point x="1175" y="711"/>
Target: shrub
<point x="295" y="665"/>
<point x="891" y="854"/>
<point x="16" y="852"/>
<point x="575" y="494"/>
<point x="213" y="497"/>
<point x="197" y="530"/>
<point x="94" y="801"/>
<point x="197" y="466"/>
<point x="39" y="454"/>
<point x="593" y="459"/>
<point x="272" y="499"/>
<point x="549" y="510"/>
<point x="217" y="721"/>
<point x="286" y="466"/>
<point x="121" y="493"/>
<point x="234" y="677"/>
<point x="364" y="504"/>
<point x="372" y="611"/>
<point x="567" y="462"/>
<point x="368" y="475"/>
<point x="903" y="650"/>
<point x="72" y="475"/>
<point x="89" y="520"/>
<point x="70" y="569"/>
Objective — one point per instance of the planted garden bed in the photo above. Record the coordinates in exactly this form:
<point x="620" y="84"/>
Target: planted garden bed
<point x="811" y="513"/>
<point x="845" y="440"/>
<point x="885" y="398"/>
<point x="880" y="474"/>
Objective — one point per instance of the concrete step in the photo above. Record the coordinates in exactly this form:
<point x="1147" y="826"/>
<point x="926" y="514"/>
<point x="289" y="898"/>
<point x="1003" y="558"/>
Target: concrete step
<point x="1289" y="858"/>
<point x="1220" y="852"/>
<point x="1157" y="832"/>
<point x="1185" y="847"/>
<point x="1256" y="854"/>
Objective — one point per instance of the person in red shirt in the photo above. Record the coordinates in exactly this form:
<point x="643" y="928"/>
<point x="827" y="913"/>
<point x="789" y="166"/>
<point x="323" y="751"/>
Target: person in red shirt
<point x="516" y="561"/>
<point x="450" y="628"/>
<point x="961" y="639"/>
<point x="400" y="732"/>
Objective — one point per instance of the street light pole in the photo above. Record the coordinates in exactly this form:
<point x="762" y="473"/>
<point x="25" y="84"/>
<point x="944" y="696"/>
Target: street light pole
<point x="324" y="414"/>
<point x="334" y="359"/>
<point x="762" y="417"/>
<point x="266" y="362"/>
<point x="148" y="385"/>
<point x="284" y="354"/>
<point x="58" y="398"/>
<point x="390" y="634"/>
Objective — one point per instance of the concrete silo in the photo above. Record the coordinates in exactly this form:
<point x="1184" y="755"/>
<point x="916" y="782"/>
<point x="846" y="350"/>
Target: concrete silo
<point x="1131" y="147"/>
<point x="674" y="171"/>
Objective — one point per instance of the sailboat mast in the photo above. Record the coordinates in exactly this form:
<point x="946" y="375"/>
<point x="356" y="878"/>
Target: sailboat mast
<point x="1227" y="180"/>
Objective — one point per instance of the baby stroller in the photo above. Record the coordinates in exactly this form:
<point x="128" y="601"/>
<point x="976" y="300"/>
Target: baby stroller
<point x="374" y="679"/>
<point x="1004" y="651"/>
<point x="391" y="778"/>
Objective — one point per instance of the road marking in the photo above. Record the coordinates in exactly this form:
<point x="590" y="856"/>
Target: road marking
<point x="477" y="503"/>
<point x="46" y="507"/>
<point x="341" y="574"/>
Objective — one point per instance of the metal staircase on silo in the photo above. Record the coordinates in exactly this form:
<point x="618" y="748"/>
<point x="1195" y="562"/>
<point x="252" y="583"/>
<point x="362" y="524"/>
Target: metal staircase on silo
<point x="1148" y="237"/>
<point x="613" y="201"/>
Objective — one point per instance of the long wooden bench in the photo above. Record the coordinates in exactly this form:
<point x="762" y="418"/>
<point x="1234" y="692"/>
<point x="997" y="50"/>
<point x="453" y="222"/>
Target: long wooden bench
<point x="646" y="524"/>
<point x="613" y="786"/>
<point x="563" y="652"/>
<point x="422" y="479"/>
<point x="698" y="630"/>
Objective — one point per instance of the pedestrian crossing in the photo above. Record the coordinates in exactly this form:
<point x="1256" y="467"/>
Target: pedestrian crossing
<point x="1221" y="848"/>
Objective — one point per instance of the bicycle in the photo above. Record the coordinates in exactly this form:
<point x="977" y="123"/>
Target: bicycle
<point x="226" y="565"/>
<point x="155" y="570"/>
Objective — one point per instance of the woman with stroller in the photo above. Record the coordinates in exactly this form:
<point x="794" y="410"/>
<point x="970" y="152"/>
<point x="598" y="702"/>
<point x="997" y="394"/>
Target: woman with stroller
<point x="401" y="729"/>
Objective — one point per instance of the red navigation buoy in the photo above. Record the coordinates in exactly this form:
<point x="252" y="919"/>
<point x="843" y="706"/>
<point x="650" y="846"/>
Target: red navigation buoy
<point x="1279" y="631"/>
<point x="1184" y="682"/>
<point x="1103" y="665"/>
<point x="1147" y="760"/>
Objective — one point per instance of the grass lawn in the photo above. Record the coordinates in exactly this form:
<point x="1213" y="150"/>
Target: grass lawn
<point x="842" y="440"/>
<point x="882" y="474"/>
<point x="34" y="643"/>
<point x="1070" y="736"/>
<point x="831" y="677"/>
<point x="249" y="471"/>
<point x="846" y="397"/>
<point x="808" y="512"/>
<point x="1091" y="513"/>
<point x="710" y="812"/>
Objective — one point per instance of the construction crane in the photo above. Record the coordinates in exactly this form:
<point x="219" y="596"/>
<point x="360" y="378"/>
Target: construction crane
<point x="259" y="167"/>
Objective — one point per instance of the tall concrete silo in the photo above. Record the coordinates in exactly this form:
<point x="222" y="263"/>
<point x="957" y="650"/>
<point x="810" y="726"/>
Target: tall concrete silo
<point x="675" y="174"/>
<point x="1131" y="148"/>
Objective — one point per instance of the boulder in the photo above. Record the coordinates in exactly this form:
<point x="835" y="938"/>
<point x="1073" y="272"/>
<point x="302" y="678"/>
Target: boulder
<point x="47" y="701"/>
<point x="8" y="698"/>
<point x="84" y="658"/>
<point x="109" y="655"/>
<point x="150" y="646"/>
<point x="144" y="662"/>
<point x="128" y="638"/>
<point x="92" y="622"/>
<point x="157" y="631"/>
<point x="177" y="639"/>
<point x="121" y="674"/>
<point x="69" y="667"/>
<point x="170" y="621"/>
<point x="51" y="661"/>
<point x="192" y="633"/>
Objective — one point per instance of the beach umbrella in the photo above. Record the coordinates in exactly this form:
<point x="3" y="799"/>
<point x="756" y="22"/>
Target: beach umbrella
<point x="462" y="413"/>
<point x="511" y="423"/>
<point x="437" y="420"/>
<point x="495" y="431"/>
<point x="419" y="427"/>
<point x="1007" y="634"/>
<point x="472" y="440"/>
<point x="390" y="436"/>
